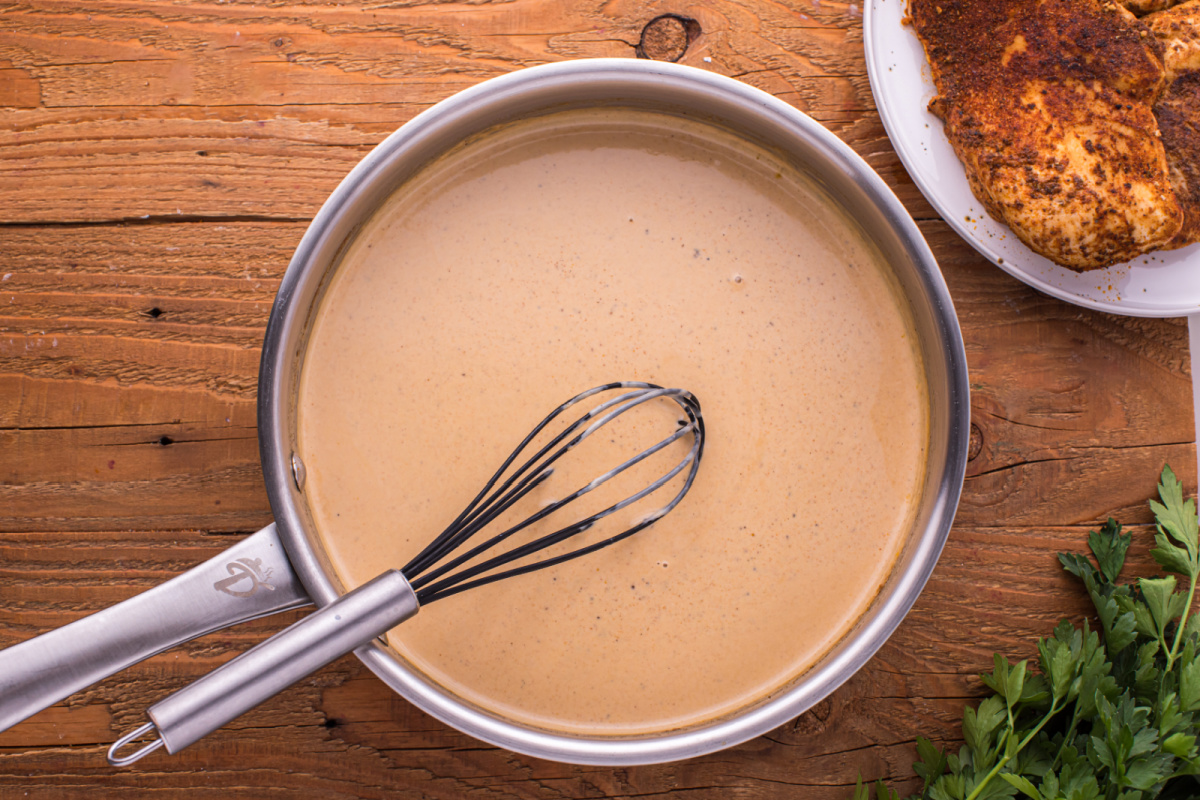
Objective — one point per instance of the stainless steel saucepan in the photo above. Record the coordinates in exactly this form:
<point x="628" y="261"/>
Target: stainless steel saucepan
<point x="283" y="566"/>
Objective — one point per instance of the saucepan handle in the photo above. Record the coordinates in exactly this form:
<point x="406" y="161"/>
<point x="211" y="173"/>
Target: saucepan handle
<point x="267" y="669"/>
<point x="249" y="580"/>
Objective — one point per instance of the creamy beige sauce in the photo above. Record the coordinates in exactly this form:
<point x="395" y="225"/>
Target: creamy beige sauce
<point x="590" y="246"/>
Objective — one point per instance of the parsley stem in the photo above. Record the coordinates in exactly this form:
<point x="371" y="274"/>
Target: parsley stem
<point x="1174" y="651"/>
<point x="1002" y="762"/>
<point x="1067" y="737"/>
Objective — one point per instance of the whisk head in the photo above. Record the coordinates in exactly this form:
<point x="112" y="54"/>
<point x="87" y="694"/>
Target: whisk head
<point x="521" y="473"/>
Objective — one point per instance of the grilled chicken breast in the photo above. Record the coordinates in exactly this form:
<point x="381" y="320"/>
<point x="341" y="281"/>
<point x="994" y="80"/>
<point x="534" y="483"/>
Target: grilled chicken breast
<point x="1048" y="104"/>
<point x="1178" y="110"/>
<point x="1141" y="7"/>
<point x="1178" y="29"/>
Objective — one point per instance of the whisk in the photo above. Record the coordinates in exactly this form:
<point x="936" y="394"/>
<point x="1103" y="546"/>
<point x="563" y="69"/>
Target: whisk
<point x="438" y="571"/>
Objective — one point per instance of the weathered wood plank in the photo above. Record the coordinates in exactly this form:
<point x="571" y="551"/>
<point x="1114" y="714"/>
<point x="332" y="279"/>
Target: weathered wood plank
<point x="178" y="163"/>
<point x="210" y="53"/>
<point x="1074" y="411"/>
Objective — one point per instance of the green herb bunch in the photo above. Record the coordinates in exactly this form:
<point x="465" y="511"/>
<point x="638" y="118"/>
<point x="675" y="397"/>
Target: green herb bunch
<point x="1114" y="717"/>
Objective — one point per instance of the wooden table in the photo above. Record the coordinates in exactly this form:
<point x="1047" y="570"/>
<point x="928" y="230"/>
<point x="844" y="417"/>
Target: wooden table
<point x="158" y="164"/>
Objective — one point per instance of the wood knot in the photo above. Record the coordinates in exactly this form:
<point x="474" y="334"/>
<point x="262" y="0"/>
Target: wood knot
<point x="666" y="37"/>
<point x="976" y="445"/>
<point x="814" y="721"/>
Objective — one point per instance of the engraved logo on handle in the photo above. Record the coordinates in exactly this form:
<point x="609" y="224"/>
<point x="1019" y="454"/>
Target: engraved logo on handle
<point x="242" y="571"/>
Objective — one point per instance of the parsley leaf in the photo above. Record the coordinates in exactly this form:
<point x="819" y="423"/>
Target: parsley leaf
<point x="1109" y="546"/>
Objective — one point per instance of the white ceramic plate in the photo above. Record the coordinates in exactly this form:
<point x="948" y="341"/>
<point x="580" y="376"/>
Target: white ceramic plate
<point x="1163" y="284"/>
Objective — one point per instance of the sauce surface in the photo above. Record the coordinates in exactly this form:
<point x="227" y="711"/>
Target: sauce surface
<point x="585" y="247"/>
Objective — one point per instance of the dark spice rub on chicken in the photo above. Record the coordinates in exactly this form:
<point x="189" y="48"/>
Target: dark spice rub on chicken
<point x="1049" y="107"/>
<point x="1178" y="110"/>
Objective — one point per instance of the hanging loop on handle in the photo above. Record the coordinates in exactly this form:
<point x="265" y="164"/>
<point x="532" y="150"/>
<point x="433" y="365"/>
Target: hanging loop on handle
<point x="267" y="669"/>
<point x="137" y="755"/>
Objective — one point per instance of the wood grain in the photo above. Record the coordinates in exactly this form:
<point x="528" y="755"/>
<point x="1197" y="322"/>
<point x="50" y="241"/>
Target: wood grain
<point x="158" y="165"/>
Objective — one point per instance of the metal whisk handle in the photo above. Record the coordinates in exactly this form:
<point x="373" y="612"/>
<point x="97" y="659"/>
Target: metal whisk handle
<point x="264" y="671"/>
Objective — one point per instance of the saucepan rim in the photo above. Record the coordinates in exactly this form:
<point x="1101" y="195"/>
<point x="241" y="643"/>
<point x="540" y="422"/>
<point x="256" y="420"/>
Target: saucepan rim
<point x="621" y="81"/>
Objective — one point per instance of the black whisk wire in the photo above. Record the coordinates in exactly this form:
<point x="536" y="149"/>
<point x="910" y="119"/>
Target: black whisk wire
<point x="480" y="511"/>
<point x="432" y="582"/>
<point x="564" y="533"/>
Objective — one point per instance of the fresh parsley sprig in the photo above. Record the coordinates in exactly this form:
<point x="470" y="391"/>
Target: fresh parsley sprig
<point x="1109" y="715"/>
